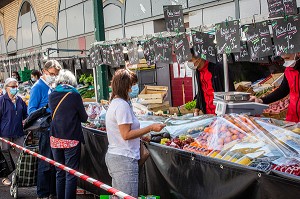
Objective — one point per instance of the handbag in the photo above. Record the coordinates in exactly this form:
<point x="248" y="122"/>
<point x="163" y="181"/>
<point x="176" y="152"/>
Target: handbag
<point x="144" y="153"/>
<point x="7" y="165"/>
<point x="38" y="120"/>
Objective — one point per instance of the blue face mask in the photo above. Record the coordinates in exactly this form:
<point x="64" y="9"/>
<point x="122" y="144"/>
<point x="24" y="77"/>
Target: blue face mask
<point x="33" y="79"/>
<point x="14" y="91"/>
<point x="134" y="91"/>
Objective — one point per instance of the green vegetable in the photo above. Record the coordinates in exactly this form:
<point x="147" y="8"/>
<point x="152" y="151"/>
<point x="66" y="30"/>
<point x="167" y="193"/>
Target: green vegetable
<point x="190" y="105"/>
<point x="86" y="79"/>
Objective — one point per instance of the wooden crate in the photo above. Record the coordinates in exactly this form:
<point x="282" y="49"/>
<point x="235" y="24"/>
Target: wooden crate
<point x="153" y="94"/>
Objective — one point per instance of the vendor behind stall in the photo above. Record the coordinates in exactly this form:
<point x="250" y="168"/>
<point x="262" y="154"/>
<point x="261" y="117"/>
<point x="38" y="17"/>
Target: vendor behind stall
<point x="210" y="79"/>
<point x="290" y="85"/>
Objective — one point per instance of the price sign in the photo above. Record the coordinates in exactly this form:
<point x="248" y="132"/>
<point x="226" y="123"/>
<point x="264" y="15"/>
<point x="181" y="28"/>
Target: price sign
<point x="133" y="54"/>
<point x="174" y="18"/>
<point x="98" y="58"/>
<point x="77" y="64"/>
<point x="262" y="60"/>
<point x="107" y="56"/>
<point x="163" y="50"/>
<point x="204" y="46"/>
<point x="259" y="40"/>
<point x="149" y="53"/>
<point x="228" y="37"/>
<point x="182" y="49"/>
<point x="278" y="8"/>
<point x="118" y="55"/>
<point x="220" y="58"/>
<point x="286" y="35"/>
<point x="242" y="56"/>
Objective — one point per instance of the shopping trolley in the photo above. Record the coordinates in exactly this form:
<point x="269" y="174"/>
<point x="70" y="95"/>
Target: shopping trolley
<point x="25" y="174"/>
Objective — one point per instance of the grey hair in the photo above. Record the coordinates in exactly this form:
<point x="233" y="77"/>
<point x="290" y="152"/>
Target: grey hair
<point x="66" y="77"/>
<point x="52" y="64"/>
<point x="8" y="81"/>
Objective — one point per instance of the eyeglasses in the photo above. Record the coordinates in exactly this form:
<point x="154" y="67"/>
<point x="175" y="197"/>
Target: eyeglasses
<point x="51" y="74"/>
<point x="13" y="86"/>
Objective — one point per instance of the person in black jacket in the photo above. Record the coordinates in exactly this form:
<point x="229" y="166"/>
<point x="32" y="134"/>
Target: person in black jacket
<point x="66" y="135"/>
<point x="210" y="79"/>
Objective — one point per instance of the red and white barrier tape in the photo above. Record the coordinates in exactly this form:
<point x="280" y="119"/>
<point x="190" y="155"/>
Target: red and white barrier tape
<point x="86" y="178"/>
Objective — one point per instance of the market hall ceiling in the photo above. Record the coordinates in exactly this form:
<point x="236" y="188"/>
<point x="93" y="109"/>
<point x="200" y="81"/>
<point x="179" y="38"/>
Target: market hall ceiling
<point x="5" y="2"/>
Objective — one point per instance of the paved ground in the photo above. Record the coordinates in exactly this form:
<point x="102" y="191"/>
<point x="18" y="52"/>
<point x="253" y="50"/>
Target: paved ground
<point x="29" y="193"/>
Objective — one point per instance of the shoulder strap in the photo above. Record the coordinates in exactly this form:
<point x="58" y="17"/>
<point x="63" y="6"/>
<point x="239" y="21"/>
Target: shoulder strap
<point x="59" y="104"/>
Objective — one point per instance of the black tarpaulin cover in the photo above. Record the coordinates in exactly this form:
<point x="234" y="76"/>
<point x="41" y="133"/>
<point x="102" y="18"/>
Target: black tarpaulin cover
<point x="172" y="173"/>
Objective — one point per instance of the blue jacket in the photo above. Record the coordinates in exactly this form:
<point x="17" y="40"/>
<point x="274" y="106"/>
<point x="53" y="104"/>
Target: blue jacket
<point x="11" y="117"/>
<point x="38" y="96"/>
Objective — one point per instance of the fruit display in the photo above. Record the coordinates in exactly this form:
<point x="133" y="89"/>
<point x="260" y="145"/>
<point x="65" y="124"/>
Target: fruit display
<point x="96" y="116"/>
<point x="277" y="109"/>
<point x="238" y="139"/>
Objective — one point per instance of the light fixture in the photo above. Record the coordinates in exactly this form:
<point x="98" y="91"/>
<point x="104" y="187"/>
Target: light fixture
<point x="125" y="50"/>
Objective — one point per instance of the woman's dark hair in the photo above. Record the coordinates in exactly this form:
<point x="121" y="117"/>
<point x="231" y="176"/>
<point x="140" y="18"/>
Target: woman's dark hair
<point x="36" y="73"/>
<point x="17" y="74"/>
<point x="121" y="83"/>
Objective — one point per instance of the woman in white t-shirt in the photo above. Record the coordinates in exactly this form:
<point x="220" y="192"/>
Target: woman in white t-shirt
<point x="124" y="132"/>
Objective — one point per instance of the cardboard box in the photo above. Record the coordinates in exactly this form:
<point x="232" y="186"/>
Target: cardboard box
<point x="159" y="107"/>
<point x="153" y="94"/>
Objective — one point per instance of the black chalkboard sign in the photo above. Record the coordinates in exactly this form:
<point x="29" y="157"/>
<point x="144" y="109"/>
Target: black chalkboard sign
<point x="133" y="54"/>
<point x="261" y="60"/>
<point x="243" y="55"/>
<point x="77" y="64"/>
<point x="163" y="50"/>
<point x="98" y="57"/>
<point x="278" y="8"/>
<point x="204" y="46"/>
<point x="118" y="55"/>
<point x="259" y="40"/>
<point x="220" y="58"/>
<point x="286" y="35"/>
<point x="228" y="37"/>
<point x="107" y="55"/>
<point x="198" y="42"/>
<point x="182" y="49"/>
<point x="148" y="49"/>
<point x="174" y="18"/>
<point x="209" y="50"/>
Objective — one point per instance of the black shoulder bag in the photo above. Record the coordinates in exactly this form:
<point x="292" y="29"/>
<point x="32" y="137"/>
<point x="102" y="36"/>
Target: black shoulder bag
<point x="38" y="120"/>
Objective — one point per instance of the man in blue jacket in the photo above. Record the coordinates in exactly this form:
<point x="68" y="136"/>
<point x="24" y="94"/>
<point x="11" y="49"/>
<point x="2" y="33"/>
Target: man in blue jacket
<point x="38" y="99"/>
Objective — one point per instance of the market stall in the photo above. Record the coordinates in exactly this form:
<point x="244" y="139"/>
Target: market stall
<point x="231" y="156"/>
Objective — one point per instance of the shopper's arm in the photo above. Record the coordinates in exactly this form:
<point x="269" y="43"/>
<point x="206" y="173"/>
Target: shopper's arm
<point x="35" y="99"/>
<point x="24" y="110"/>
<point x="128" y="134"/>
<point x="282" y="91"/>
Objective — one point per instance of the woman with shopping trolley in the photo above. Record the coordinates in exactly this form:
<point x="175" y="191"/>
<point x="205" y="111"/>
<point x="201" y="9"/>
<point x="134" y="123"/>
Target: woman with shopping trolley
<point x="13" y="111"/>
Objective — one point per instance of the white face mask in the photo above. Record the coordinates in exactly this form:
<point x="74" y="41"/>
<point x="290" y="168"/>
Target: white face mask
<point x="50" y="79"/>
<point x="290" y="63"/>
<point x="191" y="65"/>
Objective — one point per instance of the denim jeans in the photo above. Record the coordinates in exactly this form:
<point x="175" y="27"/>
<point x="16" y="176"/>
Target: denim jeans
<point x="66" y="183"/>
<point x="46" y="172"/>
<point x="124" y="172"/>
